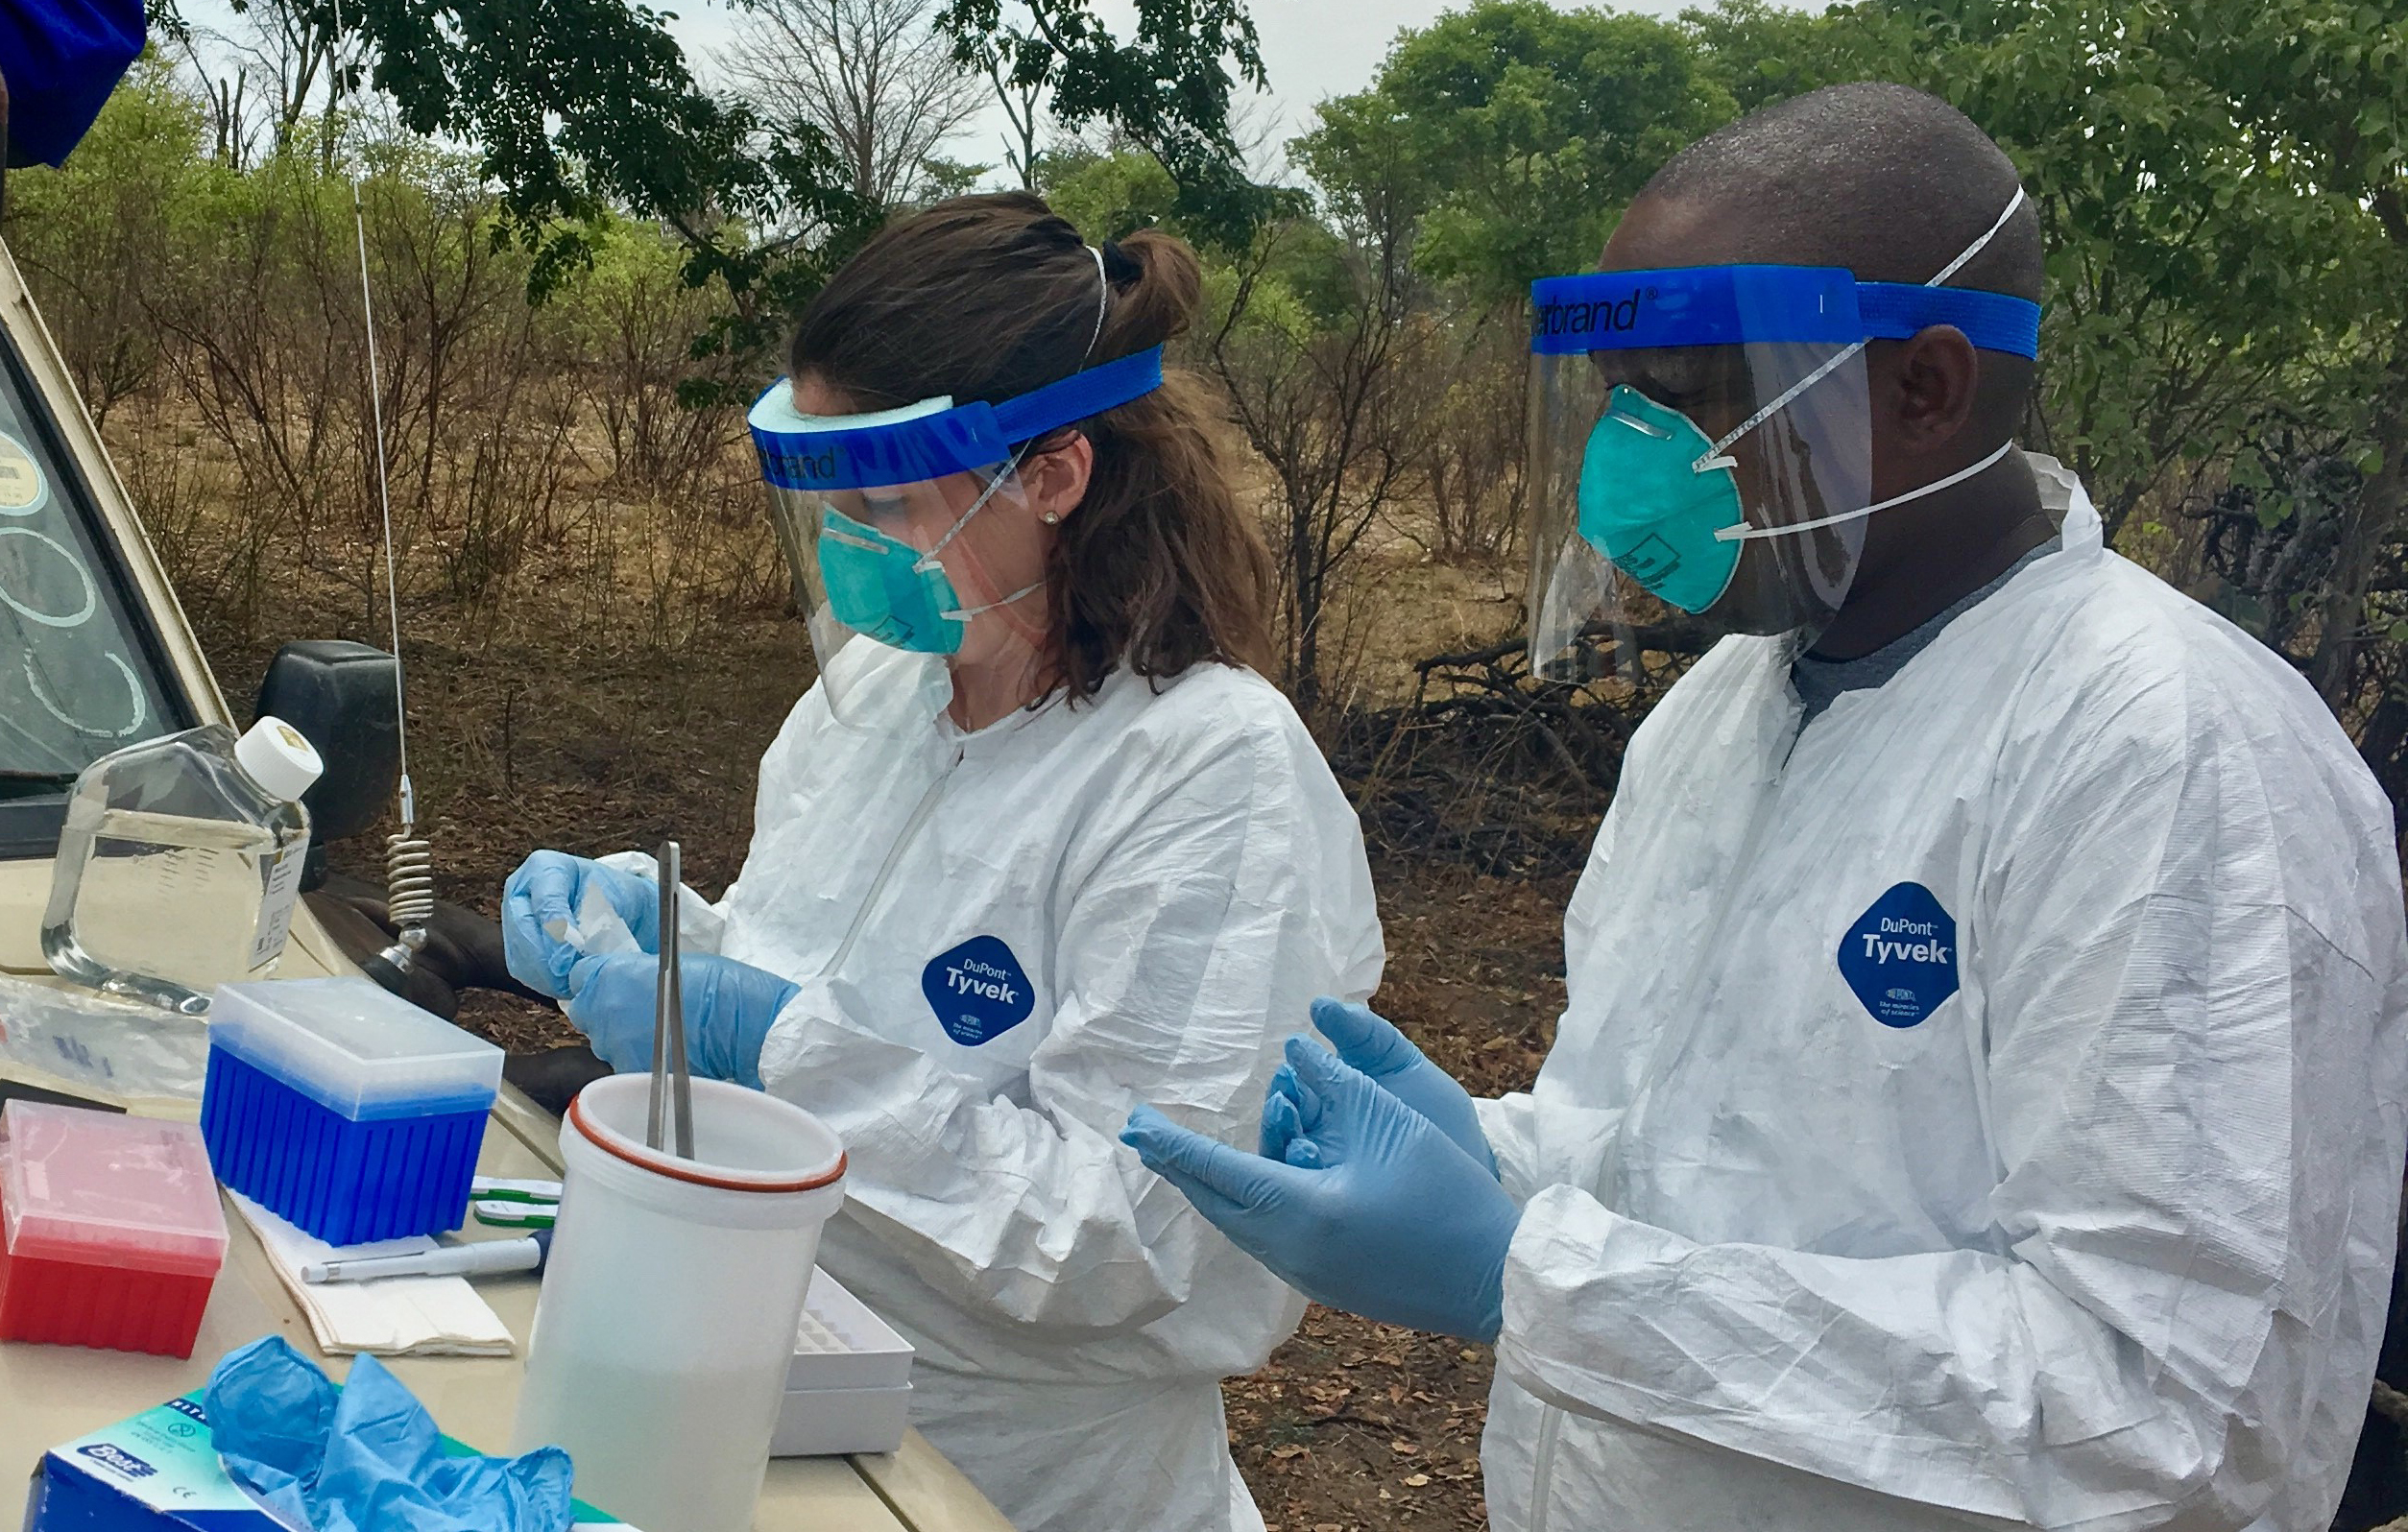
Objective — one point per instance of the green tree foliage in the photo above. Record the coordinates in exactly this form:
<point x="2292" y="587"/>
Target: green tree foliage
<point x="577" y="107"/>
<point x="2224" y="188"/>
<point x="1512" y="133"/>
<point x="1761" y="52"/>
<point x="130" y="190"/>
<point x="577" y="110"/>
<point x="1108" y="192"/>
<point x="1166" y="89"/>
<point x="2321" y="88"/>
<point x="214" y="314"/>
<point x="2178" y="248"/>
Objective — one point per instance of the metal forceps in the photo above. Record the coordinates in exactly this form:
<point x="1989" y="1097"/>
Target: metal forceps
<point x="671" y="1119"/>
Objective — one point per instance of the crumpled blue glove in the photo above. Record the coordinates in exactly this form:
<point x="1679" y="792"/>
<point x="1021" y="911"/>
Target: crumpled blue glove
<point x="728" y="1009"/>
<point x="1375" y="1211"/>
<point x="366" y="1457"/>
<point x="1377" y="1048"/>
<point x="547" y="890"/>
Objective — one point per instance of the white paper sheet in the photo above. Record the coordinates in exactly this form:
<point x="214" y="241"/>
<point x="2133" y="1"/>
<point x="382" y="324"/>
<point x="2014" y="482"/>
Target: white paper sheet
<point x="392" y="1316"/>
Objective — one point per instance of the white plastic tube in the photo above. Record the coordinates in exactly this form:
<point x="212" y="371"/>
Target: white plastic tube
<point x="670" y="1304"/>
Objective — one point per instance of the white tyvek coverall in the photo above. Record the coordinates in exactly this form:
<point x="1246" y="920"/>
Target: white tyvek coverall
<point x="2104" y="1241"/>
<point x="1175" y="874"/>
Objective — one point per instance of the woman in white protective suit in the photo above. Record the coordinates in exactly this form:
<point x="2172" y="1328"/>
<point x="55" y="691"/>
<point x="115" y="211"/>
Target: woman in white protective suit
<point x="1037" y="844"/>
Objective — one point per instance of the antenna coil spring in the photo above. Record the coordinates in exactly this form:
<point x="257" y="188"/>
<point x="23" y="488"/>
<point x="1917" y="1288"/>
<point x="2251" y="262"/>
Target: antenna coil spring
<point x="409" y="886"/>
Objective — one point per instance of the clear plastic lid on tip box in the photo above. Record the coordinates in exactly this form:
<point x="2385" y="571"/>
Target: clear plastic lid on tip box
<point x="100" y="1189"/>
<point x="354" y="1048"/>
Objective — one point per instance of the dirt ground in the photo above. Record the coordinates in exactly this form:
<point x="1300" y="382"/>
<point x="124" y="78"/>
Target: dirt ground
<point x="1361" y="1426"/>
<point x="531" y="730"/>
<point x="531" y="733"/>
<point x="524" y="737"/>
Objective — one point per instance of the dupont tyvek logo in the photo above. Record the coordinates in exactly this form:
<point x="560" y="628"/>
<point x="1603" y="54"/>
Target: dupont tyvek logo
<point x="978" y="989"/>
<point x="117" y="1460"/>
<point x="1900" y="956"/>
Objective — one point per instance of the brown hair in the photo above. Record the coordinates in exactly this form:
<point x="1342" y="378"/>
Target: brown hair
<point x="987" y="298"/>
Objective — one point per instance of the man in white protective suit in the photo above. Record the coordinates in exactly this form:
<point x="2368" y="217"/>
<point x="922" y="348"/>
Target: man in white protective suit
<point x="1978" y="1101"/>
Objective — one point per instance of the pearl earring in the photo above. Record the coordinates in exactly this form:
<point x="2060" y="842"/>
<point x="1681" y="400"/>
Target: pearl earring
<point x="1051" y="519"/>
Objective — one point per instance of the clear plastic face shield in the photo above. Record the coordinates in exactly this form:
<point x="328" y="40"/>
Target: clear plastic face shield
<point x="1702" y="445"/>
<point x="911" y="532"/>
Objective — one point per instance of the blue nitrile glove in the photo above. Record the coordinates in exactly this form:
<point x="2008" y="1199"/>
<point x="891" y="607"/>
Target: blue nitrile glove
<point x="1375" y="1212"/>
<point x="1388" y="1055"/>
<point x="366" y="1457"/>
<point x="547" y="890"/>
<point x="728" y="1007"/>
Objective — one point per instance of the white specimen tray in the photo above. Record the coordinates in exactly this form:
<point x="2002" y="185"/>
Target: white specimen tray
<point x="849" y="1387"/>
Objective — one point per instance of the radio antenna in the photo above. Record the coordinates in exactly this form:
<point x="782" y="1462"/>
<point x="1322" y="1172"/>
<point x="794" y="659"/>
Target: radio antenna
<point x="409" y="857"/>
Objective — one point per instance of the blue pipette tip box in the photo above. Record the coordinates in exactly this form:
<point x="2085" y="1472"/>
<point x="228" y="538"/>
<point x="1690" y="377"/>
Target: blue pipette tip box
<point x="344" y="1109"/>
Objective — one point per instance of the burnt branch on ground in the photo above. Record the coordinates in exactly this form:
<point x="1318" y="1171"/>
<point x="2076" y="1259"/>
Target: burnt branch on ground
<point x="1502" y="771"/>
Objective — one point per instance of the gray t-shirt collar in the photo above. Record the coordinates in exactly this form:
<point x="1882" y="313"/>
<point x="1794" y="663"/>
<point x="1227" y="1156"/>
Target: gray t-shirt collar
<point x="1820" y="682"/>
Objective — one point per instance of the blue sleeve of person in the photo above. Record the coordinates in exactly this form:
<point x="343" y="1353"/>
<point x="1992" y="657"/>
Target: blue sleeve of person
<point x="1900" y="956"/>
<point x="978" y="991"/>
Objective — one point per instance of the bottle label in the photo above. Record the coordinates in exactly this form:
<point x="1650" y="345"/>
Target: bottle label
<point x="282" y="874"/>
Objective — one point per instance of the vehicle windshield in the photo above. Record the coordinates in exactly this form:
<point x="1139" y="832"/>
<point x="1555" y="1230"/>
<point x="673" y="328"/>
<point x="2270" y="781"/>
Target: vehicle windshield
<point x="76" y="680"/>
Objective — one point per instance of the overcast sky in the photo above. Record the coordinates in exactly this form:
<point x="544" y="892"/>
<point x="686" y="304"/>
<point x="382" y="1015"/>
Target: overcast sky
<point x="1320" y="48"/>
<point x="1311" y="48"/>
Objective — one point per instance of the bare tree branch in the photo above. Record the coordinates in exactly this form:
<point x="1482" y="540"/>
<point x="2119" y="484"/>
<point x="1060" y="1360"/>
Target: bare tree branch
<point x="872" y="74"/>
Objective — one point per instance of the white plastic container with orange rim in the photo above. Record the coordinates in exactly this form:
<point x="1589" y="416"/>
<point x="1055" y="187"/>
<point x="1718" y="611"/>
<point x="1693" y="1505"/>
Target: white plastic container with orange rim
<point x="669" y="1308"/>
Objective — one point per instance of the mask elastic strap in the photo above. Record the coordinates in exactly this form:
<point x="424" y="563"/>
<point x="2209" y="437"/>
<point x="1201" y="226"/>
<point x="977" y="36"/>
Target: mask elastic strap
<point x="1743" y="532"/>
<point x="1713" y="458"/>
<point x="1103" y="302"/>
<point x="1978" y="245"/>
<point x="1010" y="466"/>
<point x="964" y="614"/>
<point x="1714" y="455"/>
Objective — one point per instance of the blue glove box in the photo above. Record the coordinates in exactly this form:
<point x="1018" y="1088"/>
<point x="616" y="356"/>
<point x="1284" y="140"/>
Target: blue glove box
<point x="158" y="1472"/>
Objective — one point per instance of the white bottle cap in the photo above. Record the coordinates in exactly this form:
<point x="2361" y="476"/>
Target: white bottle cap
<point x="278" y="758"/>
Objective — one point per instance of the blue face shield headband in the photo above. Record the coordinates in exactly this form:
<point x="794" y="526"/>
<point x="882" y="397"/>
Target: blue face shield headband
<point x="875" y="583"/>
<point x="1658" y="495"/>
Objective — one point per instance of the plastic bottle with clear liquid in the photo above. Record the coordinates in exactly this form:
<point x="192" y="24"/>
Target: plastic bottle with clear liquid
<point x="179" y="864"/>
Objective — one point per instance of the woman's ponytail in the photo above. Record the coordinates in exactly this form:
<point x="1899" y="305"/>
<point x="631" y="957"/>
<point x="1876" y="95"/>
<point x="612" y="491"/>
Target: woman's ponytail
<point x="1158" y="298"/>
